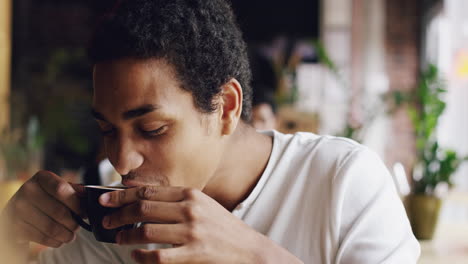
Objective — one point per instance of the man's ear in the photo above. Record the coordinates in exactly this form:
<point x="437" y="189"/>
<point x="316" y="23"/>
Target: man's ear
<point x="230" y="103"/>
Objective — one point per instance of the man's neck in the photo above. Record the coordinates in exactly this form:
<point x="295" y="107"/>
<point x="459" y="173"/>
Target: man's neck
<point x="246" y="157"/>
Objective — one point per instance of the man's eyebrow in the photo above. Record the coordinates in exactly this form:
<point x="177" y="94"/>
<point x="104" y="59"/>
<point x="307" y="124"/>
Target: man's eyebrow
<point x="132" y="113"/>
<point x="98" y="115"/>
<point x="139" y="111"/>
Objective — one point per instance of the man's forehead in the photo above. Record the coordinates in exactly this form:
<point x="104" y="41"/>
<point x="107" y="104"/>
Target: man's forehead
<point x="132" y="82"/>
<point x="129" y="87"/>
<point x="131" y="65"/>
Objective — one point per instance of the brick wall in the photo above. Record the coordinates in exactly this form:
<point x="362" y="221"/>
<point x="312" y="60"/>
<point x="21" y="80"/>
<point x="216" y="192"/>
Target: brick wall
<point x="402" y="43"/>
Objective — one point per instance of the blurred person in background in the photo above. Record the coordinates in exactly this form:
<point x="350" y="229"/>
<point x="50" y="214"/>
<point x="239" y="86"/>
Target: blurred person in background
<point x="172" y="97"/>
<point x="264" y="84"/>
<point x="263" y="110"/>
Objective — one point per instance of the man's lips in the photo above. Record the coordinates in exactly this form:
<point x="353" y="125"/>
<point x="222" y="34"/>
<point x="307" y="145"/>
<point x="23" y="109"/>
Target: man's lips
<point x="132" y="183"/>
<point x="142" y="181"/>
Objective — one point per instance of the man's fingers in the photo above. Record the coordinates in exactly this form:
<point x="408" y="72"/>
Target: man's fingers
<point x="60" y="189"/>
<point x="51" y="207"/>
<point x="79" y="189"/>
<point x="154" y="233"/>
<point x="153" y="193"/>
<point x="145" y="211"/>
<point x="163" y="256"/>
<point x="43" y="223"/>
<point x="30" y="233"/>
<point x="144" y="256"/>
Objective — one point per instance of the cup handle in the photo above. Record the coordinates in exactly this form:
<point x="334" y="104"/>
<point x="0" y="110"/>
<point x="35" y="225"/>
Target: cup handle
<point x="80" y="221"/>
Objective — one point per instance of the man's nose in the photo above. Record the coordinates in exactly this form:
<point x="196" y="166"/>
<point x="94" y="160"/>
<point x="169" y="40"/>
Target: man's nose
<point x="124" y="156"/>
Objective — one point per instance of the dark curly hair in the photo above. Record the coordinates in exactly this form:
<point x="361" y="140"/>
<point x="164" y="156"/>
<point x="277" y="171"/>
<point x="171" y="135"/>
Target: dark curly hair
<point x="200" y="38"/>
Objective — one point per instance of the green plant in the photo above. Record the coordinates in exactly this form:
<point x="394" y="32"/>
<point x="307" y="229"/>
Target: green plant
<point x="20" y="150"/>
<point x="58" y="92"/>
<point x="352" y="129"/>
<point x="435" y="165"/>
<point x="325" y="59"/>
<point x="64" y="96"/>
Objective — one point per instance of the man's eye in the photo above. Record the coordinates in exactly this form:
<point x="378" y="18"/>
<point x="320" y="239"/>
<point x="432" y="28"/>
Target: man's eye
<point x="155" y="132"/>
<point x="108" y="132"/>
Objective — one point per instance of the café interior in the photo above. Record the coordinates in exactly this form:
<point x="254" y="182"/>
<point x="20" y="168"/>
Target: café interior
<point x="389" y="74"/>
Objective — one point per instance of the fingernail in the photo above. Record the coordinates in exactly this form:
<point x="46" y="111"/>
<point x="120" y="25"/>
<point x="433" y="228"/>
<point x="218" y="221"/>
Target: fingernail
<point x="104" y="198"/>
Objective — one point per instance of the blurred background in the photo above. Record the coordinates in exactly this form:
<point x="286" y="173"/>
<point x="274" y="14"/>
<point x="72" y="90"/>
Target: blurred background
<point x="390" y="74"/>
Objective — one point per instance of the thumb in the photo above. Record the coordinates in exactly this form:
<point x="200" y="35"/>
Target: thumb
<point x="80" y="192"/>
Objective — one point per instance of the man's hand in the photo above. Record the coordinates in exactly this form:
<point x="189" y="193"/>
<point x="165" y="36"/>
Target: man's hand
<point x="201" y="230"/>
<point x="40" y="210"/>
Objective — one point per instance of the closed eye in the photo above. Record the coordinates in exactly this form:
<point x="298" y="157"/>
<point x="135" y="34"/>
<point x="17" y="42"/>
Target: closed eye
<point x="108" y="132"/>
<point x="156" y="132"/>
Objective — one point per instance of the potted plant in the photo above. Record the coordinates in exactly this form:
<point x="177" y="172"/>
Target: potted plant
<point x="432" y="175"/>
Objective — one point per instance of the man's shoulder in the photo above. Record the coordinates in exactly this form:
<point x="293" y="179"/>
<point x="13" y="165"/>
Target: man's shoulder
<point x="318" y="148"/>
<point x="310" y="159"/>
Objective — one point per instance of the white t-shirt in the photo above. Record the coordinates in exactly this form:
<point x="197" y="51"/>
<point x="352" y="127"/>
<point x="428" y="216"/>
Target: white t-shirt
<point x="324" y="199"/>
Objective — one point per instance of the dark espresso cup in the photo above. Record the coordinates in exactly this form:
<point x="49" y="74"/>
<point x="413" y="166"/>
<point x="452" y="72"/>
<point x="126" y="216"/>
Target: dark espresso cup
<point x="96" y="212"/>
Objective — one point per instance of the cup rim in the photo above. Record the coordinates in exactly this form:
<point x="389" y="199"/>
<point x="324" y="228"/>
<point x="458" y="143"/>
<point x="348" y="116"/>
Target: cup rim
<point x="101" y="187"/>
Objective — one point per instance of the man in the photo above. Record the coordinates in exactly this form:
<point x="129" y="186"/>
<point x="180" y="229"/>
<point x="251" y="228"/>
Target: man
<point x="263" y="112"/>
<point x="264" y="83"/>
<point x="172" y="98"/>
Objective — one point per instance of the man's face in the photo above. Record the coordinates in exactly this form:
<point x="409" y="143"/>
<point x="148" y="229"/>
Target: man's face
<point x="263" y="117"/>
<point x="153" y="133"/>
